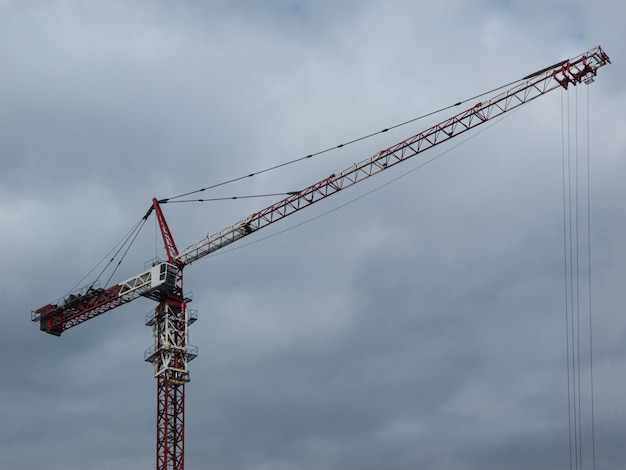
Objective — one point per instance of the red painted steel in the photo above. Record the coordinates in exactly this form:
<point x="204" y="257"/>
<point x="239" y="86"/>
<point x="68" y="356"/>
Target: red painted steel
<point x="170" y="442"/>
<point x="170" y="428"/>
<point x="168" y="239"/>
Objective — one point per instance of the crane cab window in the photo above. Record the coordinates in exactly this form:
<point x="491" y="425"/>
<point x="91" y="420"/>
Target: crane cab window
<point x="168" y="274"/>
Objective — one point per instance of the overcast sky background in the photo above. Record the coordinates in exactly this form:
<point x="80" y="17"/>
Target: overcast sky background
<point x="419" y="326"/>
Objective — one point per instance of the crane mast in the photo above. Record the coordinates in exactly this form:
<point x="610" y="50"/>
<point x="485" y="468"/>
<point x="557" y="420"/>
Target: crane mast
<point x="163" y="281"/>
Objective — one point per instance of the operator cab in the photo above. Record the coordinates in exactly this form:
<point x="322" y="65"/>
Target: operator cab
<point x="164" y="276"/>
<point x="162" y="280"/>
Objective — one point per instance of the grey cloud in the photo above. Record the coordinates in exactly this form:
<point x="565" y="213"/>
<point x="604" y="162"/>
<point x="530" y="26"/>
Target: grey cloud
<point x="420" y="326"/>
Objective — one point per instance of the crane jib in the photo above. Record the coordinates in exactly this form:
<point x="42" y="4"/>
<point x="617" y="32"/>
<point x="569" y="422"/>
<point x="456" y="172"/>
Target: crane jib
<point x="562" y="74"/>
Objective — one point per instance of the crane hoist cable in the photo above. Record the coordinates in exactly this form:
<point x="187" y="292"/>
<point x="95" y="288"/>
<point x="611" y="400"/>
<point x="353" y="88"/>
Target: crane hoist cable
<point x="576" y="267"/>
<point x="590" y="306"/>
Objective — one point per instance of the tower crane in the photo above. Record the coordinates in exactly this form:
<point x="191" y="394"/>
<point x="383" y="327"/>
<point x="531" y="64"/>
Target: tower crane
<point x="163" y="282"/>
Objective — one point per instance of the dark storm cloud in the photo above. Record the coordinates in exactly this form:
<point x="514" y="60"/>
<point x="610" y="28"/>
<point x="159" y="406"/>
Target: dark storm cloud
<point x="421" y="326"/>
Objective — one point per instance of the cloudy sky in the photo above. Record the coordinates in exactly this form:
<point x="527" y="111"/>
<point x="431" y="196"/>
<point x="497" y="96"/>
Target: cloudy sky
<point x="417" y="320"/>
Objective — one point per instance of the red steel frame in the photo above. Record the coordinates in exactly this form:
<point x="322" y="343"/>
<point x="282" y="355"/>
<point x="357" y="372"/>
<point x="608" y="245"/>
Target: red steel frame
<point x="168" y="239"/>
<point x="170" y="435"/>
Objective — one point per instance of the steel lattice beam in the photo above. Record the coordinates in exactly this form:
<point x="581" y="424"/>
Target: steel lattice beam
<point x="170" y="439"/>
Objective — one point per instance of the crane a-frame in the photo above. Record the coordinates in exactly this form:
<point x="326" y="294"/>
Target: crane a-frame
<point x="163" y="282"/>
